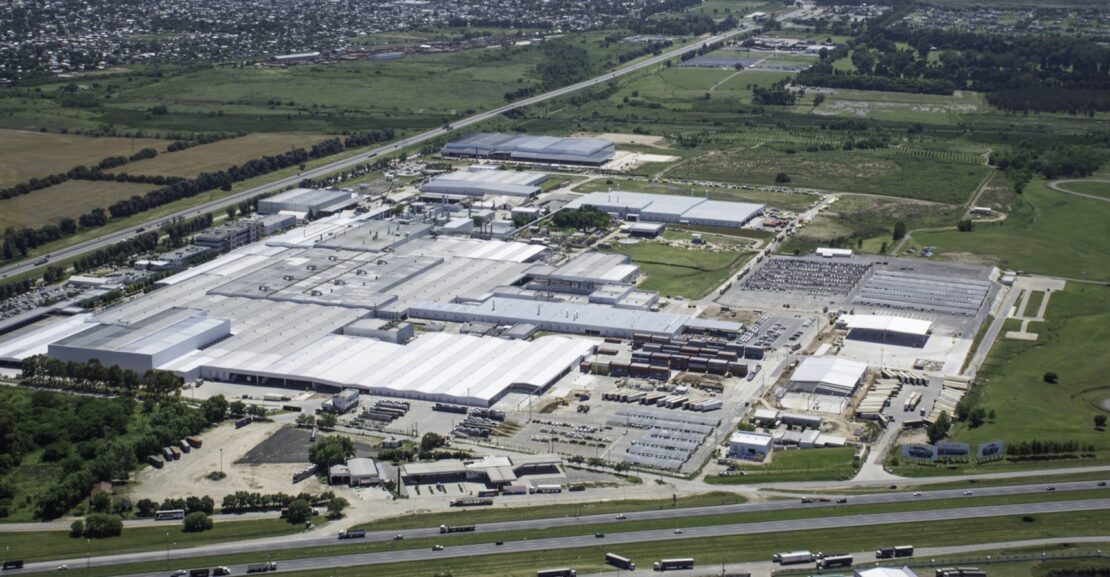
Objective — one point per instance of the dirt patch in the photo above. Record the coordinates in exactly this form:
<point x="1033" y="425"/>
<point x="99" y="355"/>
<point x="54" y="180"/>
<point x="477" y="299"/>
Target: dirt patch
<point x="641" y="139"/>
<point x="291" y="445"/>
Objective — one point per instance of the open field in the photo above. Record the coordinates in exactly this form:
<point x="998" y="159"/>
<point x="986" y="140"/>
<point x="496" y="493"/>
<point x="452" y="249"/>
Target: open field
<point x="809" y="465"/>
<point x="25" y="155"/>
<point x="1047" y="232"/>
<point x="885" y="172"/>
<point x="898" y="106"/>
<point x="222" y="154"/>
<point x="72" y="198"/>
<point x="784" y="200"/>
<point x="865" y="223"/>
<point x="1095" y="187"/>
<point x="689" y="273"/>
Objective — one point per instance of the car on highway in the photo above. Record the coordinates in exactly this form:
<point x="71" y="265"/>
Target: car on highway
<point x="63" y="567"/>
<point x="437" y="547"/>
<point x="621" y="516"/>
<point x="678" y="531"/>
<point x="398" y="537"/>
<point x="917" y="493"/>
<point x="1050" y="489"/>
<point x="968" y="493"/>
<point x="842" y="500"/>
<point x="179" y="573"/>
<point x="1102" y="483"/>
<point x="599" y="535"/>
<point x="499" y="543"/>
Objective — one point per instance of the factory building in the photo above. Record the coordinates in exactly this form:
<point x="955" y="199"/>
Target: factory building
<point x="309" y="202"/>
<point x="666" y="208"/>
<point x="749" y="446"/>
<point x="545" y="149"/>
<point x="486" y="183"/>
<point x="887" y="330"/>
<point x="358" y="472"/>
<point x="494" y="471"/>
<point x="230" y="235"/>
<point x="827" y="376"/>
<point x="145" y="344"/>
<point x="584" y="273"/>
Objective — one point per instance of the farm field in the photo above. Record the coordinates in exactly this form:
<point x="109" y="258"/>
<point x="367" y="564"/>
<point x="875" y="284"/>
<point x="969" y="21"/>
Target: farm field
<point x="1047" y="232"/>
<point x="887" y="172"/>
<point x="68" y="199"/>
<point x="783" y="200"/>
<point x="681" y="272"/>
<point x="222" y="154"/>
<point x="25" y="155"/>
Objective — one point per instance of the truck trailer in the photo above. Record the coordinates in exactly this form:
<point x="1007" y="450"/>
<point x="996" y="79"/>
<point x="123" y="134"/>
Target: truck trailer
<point x="620" y="561"/>
<point x="564" y="572"/>
<point x="455" y="528"/>
<point x="671" y="564"/>
<point x="792" y="557"/>
<point x="352" y="534"/>
<point x="262" y="567"/>
<point x="831" y="561"/>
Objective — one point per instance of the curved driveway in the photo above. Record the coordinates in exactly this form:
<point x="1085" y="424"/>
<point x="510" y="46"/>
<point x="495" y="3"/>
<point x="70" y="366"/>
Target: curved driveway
<point x="1055" y="185"/>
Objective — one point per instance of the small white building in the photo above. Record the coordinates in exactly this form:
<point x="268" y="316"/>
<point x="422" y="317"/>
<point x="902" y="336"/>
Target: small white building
<point x="358" y="472"/>
<point x="749" y="446"/>
<point x="885" y="572"/>
<point x="827" y="376"/>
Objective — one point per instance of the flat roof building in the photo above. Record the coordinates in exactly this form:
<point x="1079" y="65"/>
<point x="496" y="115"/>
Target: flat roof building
<point x="888" y="330"/>
<point x="486" y="183"/>
<point x="827" y="376"/>
<point x="749" y="446"/>
<point x="547" y="149"/>
<point x="584" y="273"/>
<point x="313" y="202"/>
<point x="667" y="208"/>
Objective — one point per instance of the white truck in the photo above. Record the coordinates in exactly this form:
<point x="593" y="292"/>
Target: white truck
<point x="792" y="557"/>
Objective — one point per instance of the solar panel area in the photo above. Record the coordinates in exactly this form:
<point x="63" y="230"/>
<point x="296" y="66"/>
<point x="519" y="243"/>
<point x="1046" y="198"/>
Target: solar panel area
<point x="666" y="439"/>
<point x="951" y="295"/>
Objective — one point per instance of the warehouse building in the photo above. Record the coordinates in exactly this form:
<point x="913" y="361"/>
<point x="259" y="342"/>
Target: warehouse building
<point x="666" y="208"/>
<point x="486" y="183"/>
<point x="584" y="273"/>
<point x="307" y="201"/>
<point x="750" y="446"/>
<point x="827" y="376"/>
<point x="145" y="344"/>
<point x="492" y="470"/>
<point x="546" y="149"/>
<point x="358" y="472"/>
<point x="887" y="330"/>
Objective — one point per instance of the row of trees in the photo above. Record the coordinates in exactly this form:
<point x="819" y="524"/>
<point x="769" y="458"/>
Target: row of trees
<point x="585" y="218"/>
<point x="244" y="501"/>
<point x="93" y="377"/>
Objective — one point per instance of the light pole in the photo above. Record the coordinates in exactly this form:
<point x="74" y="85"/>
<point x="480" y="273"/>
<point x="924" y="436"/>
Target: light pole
<point x="221" y="460"/>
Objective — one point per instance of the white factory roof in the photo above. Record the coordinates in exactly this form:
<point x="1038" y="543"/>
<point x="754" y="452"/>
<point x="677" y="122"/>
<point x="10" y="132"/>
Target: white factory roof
<point x="36" y="342"/>
<point x="669" y="207"/>
<point x="886" y="323"/>
<point x="148" y="336"/>
<point x="833" y="371"/>
<point x="597" y="267"/>
<point x="491" y="182"/>
<point x="362" y="467"/>
<point x="500" y="250"/>
<point x="585" y="316"/>
<point x="721" y="210"/>
<point x="749" y="438"/>
<point x="885" y="572"/>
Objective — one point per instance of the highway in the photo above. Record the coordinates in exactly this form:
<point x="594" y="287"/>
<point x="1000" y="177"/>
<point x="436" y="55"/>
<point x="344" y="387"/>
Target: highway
<point x="302" y="541"/>
<point x="216" y="205"/>
<point x="612" y="539"/>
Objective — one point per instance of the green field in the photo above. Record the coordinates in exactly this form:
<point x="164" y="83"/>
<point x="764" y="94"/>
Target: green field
<point x="898" y="106"/>
<point x="864" y="223"/>
<point x="689" y="273"/>
<point x="1048" y="232"/>
<point x="785" y="466"/>
<point x="68" y="199"/>
<point x="1095" y="187"/>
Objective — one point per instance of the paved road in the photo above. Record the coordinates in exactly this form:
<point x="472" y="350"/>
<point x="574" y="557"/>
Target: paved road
<point x="338" y="165"/>
<point x="302" y="541"/>
<point x="1055" y="185"/>
<point x="613" y="539"/>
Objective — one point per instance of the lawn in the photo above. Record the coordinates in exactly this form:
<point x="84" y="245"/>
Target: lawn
<point x="800" y="465"/>
<point x="72" y="198"/>
<point x="222" y="154"/>
<point x="689" y="273"/>
<point x="884" y="172"/>
<point x="1094" y="187"/>
<point x="25" y="155"/>
<point x="1047" y="232"/>
<point x="1033" y="303"/>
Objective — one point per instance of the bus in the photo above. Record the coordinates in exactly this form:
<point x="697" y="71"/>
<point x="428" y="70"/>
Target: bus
<point x="169" y="515"/>
<point x="619" y="561"/>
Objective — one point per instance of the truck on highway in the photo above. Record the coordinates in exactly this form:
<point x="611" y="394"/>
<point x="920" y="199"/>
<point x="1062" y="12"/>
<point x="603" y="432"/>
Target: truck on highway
<point x="220" y="571"/>
<point x="352" y="534"/>
<point x="564" y="572"/>
<point x="455" y="528"/>
<point x="897" y="551"/>
<point x="792" y="557"/>
<point x="670" y="564"/>
<point x="9" y="565"/>
<point x="471" y="502"/>
<point x="41" y="261"/>
<point x="831" y="561"/>
<point x="262" y="567"/>
<point x="620" y="561"/>
<point x="199" y="572"/>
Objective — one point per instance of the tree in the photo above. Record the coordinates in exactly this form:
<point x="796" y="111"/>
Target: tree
<point x="1051" y="378"/>
<point x="146" y="508"/>
<point x="965" y="225"/>
<point x="299" y="512"/>
<point x="1100" y="422"/>
<point x="899" y="231"/>
<point x="818" y="100"/>
<point x="327" y="420"/>
<point x="336" y="507"/>
<point x="197" y="522"/>
<point x="782" y="178"/>
<point x="939" y="429"/>
<point x="100" y="525"/>
<point x="77" y="528"/>
<point x="237" y="408"/>
<point x="101" y="502"/>
<point x="306" y="420"/>
<point x="331" y="450"/>
<point x="992" y="416"/>
<point x="214" y="408"/>
<point x="430" y="441"/>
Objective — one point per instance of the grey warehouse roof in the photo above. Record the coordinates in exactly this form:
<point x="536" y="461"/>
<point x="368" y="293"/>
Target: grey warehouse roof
<point x="671" y="208"/>
<point x="532" y="148"/>
<point x="486" y="182"/>
<point x="578" y="318"/>
<point x="147" y="336"/>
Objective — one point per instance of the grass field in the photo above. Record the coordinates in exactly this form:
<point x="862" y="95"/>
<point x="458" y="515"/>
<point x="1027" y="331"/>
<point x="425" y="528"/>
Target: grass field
<point x="885" y="172"/>
<point x="810" y="465"/>
<point x="25" y="155"/>
<point x="1047" y="232"/>
<point x="72" y="198"/>
<point x="222" y="154"/>
<point x="1095" y="187"/>
<point x="854" y="218"/>
<point x="784" y="200"/>
<point x="689" y="273"/>
<point x="898" y="106"/>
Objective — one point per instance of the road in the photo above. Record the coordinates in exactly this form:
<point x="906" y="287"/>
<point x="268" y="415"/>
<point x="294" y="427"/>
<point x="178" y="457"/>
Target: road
<point x="588" y="540"/>
<point x="302" y="540"/>
<point x="1055" y="185"/>
<point x="216" y="205"/>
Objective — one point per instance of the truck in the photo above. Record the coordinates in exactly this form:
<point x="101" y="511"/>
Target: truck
<point x="262" y="567"/>
<point x="669" y="564"/>
<point x="564" y="572"/>
<point x="547" y="489"/>
<point x="16" y="564"/>
<point x="220" y="571"/>
<point x="352" y="534"/>
<point x="167" y="454"/>
<point x="199" y="573"/>
<point x="792" y="557"/>
<point x="897" y="551"/>
<point x="455" y="528"/>
<point x="185" y="446"/>
<point x="620" y="561"/>
<point x="831" y="561"/>
<point x="471" y="502"/>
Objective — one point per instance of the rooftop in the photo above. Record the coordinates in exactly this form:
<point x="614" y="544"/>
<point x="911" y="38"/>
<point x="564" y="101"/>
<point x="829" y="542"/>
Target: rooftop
<point x="835" y="371"/>
<point x="886" y="323"/>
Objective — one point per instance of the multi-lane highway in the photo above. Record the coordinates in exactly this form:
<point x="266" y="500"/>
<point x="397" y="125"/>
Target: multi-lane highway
<point x="677" y="515"/>
<point x="216" y="205"/>
<point x="615" y="539"/>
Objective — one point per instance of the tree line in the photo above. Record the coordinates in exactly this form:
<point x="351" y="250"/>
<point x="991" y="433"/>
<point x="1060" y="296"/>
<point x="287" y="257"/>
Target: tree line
<point x="94" y="377"/>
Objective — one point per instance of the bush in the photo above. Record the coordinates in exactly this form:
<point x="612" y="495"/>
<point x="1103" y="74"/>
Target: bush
<point x="197" y="522"/>
<point x="100" y="525"/>
<point x="77" y="529"/>
<point x="1051" y="378"/>
<point x="299" y="512"/>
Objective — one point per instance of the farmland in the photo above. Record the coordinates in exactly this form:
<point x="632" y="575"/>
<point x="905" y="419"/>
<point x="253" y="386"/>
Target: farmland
<point x="25" y="155"/>
<point x="68" y="199"/>
<point x="220" y="155"/>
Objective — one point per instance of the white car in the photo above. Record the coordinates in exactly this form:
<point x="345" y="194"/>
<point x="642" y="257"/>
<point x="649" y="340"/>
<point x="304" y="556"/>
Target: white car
<point x="917" y="493"/>
<point x="621" y="516"/>
<point x="63" y="567"/>
<point x="968" y="493"/>
<point x="179" y="573"/>
<point x="678" y="531"/>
